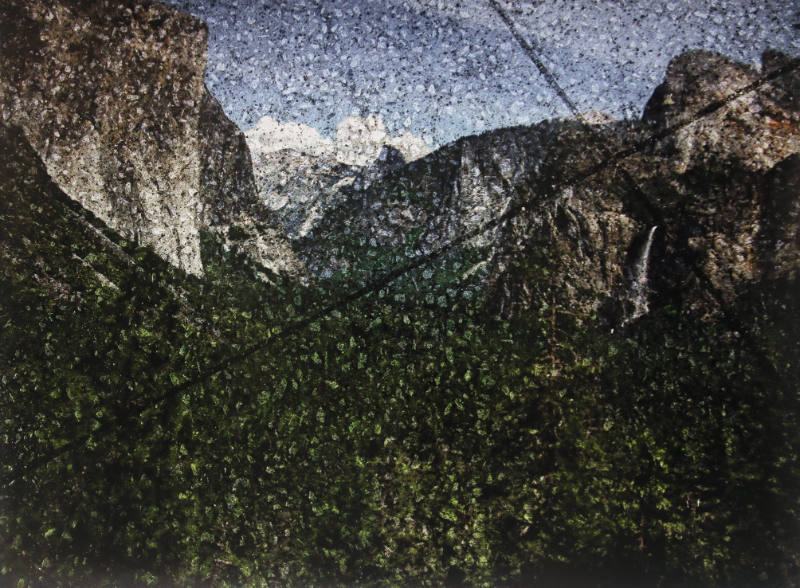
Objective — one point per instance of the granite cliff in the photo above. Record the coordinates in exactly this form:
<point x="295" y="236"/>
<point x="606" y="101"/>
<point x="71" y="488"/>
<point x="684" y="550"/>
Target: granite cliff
<point x="112" y="98"/>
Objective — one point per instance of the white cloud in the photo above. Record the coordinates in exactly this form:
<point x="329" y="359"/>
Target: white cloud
<point x="358" y="141"/>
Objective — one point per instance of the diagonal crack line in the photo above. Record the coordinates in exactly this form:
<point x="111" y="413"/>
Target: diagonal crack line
<point x="708" y="109"/>
<point x="616" y="159"/>
<point x="612" y="159"/>
<point x="533" y="54"/>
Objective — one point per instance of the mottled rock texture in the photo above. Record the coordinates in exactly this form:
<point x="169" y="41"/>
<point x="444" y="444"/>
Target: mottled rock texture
<point x="720" y="184"/>
<point x="111" y="95"/>
<point x="554" y="216"/>
<point x="724" y="182"/>
<point x="562" y="209"/>
<point x="756" y="129"/>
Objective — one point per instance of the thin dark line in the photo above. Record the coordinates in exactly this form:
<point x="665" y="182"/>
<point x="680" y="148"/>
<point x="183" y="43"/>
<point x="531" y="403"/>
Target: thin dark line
<point x="710" y="108"/>
<point x="533" y="54"/>
<point x="615" y="159"/>
<point x="390" y="276"/>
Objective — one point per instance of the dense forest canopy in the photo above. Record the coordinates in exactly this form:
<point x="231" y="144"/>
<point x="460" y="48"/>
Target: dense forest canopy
<point x="595" y="386"/>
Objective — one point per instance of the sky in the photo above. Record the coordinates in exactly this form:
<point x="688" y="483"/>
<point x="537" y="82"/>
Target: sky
<point x="441" y="69"/>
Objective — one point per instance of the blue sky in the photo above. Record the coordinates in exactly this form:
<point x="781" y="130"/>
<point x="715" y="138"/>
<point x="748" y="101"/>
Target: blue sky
<point x="443" y="69"/>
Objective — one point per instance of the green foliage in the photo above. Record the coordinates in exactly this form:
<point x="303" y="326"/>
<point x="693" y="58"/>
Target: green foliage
<point x="406" y="438"/>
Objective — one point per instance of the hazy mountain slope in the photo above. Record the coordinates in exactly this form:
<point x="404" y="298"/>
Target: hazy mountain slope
<point x="582" y="217"/>
<point x="300" y="175"/>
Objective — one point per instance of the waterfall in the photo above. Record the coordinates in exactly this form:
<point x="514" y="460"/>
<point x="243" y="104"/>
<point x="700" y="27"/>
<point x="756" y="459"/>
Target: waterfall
<point x="639" y="285"/>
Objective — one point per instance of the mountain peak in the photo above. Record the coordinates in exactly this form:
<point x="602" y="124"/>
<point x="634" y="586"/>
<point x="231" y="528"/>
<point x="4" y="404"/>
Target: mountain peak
<point x="133" y="136"/>
<point x="756" y="128"/>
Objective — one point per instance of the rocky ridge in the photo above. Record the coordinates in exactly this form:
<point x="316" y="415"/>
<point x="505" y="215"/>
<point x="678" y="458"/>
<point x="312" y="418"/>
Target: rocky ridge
<point x="112" y="98"/>
<point x="725" y="183"/>
<point x="550" y="221"/>
<point x="715" y="202"/>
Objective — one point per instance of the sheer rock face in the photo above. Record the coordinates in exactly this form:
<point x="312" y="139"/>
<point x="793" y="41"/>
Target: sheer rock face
<point x="722" y="188"/>
<point x="571" y="242"/>
<point x="726" y="181"/>
<point x="111" y="95"/>
<point x="756" y="129"/>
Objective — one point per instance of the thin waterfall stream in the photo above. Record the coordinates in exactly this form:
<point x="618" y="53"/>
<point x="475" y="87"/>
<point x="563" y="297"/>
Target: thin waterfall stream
<point x="639" y="290"/>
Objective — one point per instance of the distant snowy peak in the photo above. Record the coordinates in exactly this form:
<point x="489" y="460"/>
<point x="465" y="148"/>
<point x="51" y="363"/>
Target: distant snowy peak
<point x="358" y="141"/>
